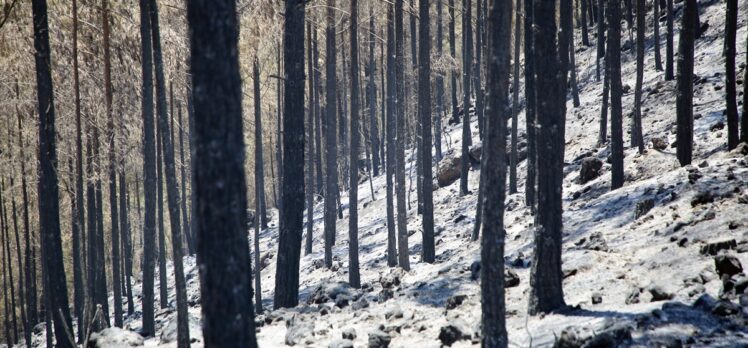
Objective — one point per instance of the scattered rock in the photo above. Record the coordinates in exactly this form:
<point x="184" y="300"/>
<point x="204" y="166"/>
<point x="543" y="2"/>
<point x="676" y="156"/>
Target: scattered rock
<point x="590" y="169"/>
<point x="725" y="308"/>
<point x="702" y="197"/>
<point x="329" y="292"/>
<point x="475" y="153"/>
<point x="379" y="339"/>
<point x="659" y="144"/>
<point x="449" y="170"/>
<point x="571" y="337"/>
<point x="715" y="247"/>
<point x="349" y="334"/>
<point x="297" y="330"/>
<point x="719" y="125"/>
<point x="511" y="279"/>
<point x="114" y="337"/>
<point x="360" y="304"/>
<point x="595" y="242"/>
<point x="659" y="294"/>
<point x="393" y="312"/>
<point x="597" y="298"/>
<point x="452" y="332"/>
<point x="727" y="264"/>
<point x="615" y="336"/>
<point x="390" y="280"/>
<point x="455" y="301"/>
<point x="475" y="270"/>
<point x="633" y="296"/>
<point x="643" y="207"/>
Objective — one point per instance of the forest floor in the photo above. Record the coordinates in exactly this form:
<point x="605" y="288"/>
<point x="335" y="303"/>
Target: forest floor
<point x="649" y="274"/>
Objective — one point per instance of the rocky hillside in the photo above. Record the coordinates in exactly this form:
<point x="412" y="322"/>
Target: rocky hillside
<point x="655" y="263"/>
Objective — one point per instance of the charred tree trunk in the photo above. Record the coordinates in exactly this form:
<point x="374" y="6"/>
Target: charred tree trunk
<point x="515" y="91"/>
<point x="222" y="250"/>
<point x="493" y="318"/>
<point x="669" y="50"/>
<point x="453" y="54"/>
<point x="310" y="144"/>
<point x="424" y="113"/>
<point x="731" y="24"/>
<point x="658" y="55"/>
<point x="331" y="146"/>
<point x="49" y="209"/>
<point x="467" y="42"/>
<point x="637" y="136"/>
<point x="112" y="168"/>
<point x="79" y="211"/>
<point x="530" y="109"/>
<point x="163" y="286"/>
<point x="585" y="34"/>
<point x="613" y="66"/>
<point x="439" y="84"/>
<point x="390" y="121"/>
<point x="172" y="191"/>
<point x="684" y="96"/>
<point x="292" y="212"/>
<point x="400" y="138"/>
<point x="354" y="277"/>
<point x="546" y="290"/>
<point x="149" y="171"/>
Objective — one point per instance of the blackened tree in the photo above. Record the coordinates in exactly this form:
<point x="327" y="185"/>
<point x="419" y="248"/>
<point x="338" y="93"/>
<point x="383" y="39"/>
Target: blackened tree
<point x="494" y="165"/>
<point x="731" y="24"/>
<point x="149" y="170"/>
<point x="424" y="114"/>
<point x="354" y="277"/>
<point x="530" y="109"/>
<point x="684" y="96"/>
<point x="546" y="291"/>
<point x="259" y="184"/>
<point x="637" y="136"/>
<point x="613" y="65"/>
<point x="669" y="50"/>
<point x="331" y="146"/>
<point x="49" y="209"/>
<point x="400" y="138"/>
<point x="218" y="169"/>
<point x="390" y="126"/>
<point x="292" y="190"/>
<point x="467" y="42"/>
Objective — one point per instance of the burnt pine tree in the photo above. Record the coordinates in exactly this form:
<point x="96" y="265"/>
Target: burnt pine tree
<point x="354" y="277"/>
<point x="657" y="53"/>
<point x="331" y="146"/>
<point x="600" y="36"/>
<point x="731" y="24"/>
<point x="493" y="165"/>
<point x="163" y="286"/>
<point x="583" y="20"/>
<point x="112" y="169"/>
<point x="126" y="236"/>
<point x="182" y="168"/>
<point x="467" y="44"/>
<point x="602" y="135"/>
<point x="669" y="50"/>
<point x="49" y="209"/>
<point x="424" y="113"/>
<point x="149" y="170"/>
<point x="371" y="96"/>
<point x="530" y="114"/>
<point x="172" y="193"/>
<point x="453" y="54"/>
<point x="29" y="275"/>
<point x="637" y="136"/>
<point x="546" y="292"/>
<point x="79" y="212"/>
<point x="400" y="138"/>
<point x="8" y="270"/>
<point x="477" y="68"/>
<point x="613" y="66"/>
<point x="390" y="127"/>
<point x="515" y="94"/>
<point x="439" y="83"/>
<point x="259" y="182"/>
<point x="310" y="143"/>
<point x="219" y="182"/>
<point x="744" y="119"/>
<point x="684" y="96"/>
<point x="23" y="280"/>
<point x="292" y="190"/>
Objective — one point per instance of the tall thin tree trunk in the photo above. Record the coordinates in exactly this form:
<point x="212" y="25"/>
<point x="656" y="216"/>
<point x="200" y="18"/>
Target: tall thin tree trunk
<point x="172" y="191"/>
<point x="219" y="179"/>
<point x="613" y="66"/>
<point x="424" y="113"/>
<point x="657" y="54"/>
<point x="600" y="36"/>
<point x="331" y="148"/>
<point x="78" y="292"/>
<point x="637" y="135"/>
<point x="354" y="277"/>
<point x="49" y="209"/>
<point x="530" y="109"/>
<point x="163" y="286"/>
<point x="400" y="138"/>
<point x="515" y="92"/>
<point x="583" y="22"/>
<point x="669" y="50"/>
<point x="259" y="182"/>
<point x="390" y="121"/>
<point x="467" y="43"/>
<point x="439" y="84"/>
<point x="112" y="168"/>
<point x="546" y="289"/>
<point x="149" y="171"/>
<point x="684" y="96"/>
<point x="731" y="24"/>
<point x="310" y="144"/>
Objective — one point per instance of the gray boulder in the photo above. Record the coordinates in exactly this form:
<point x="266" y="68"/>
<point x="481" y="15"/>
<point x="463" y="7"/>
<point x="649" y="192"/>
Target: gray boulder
<point x="114" y="337"/>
